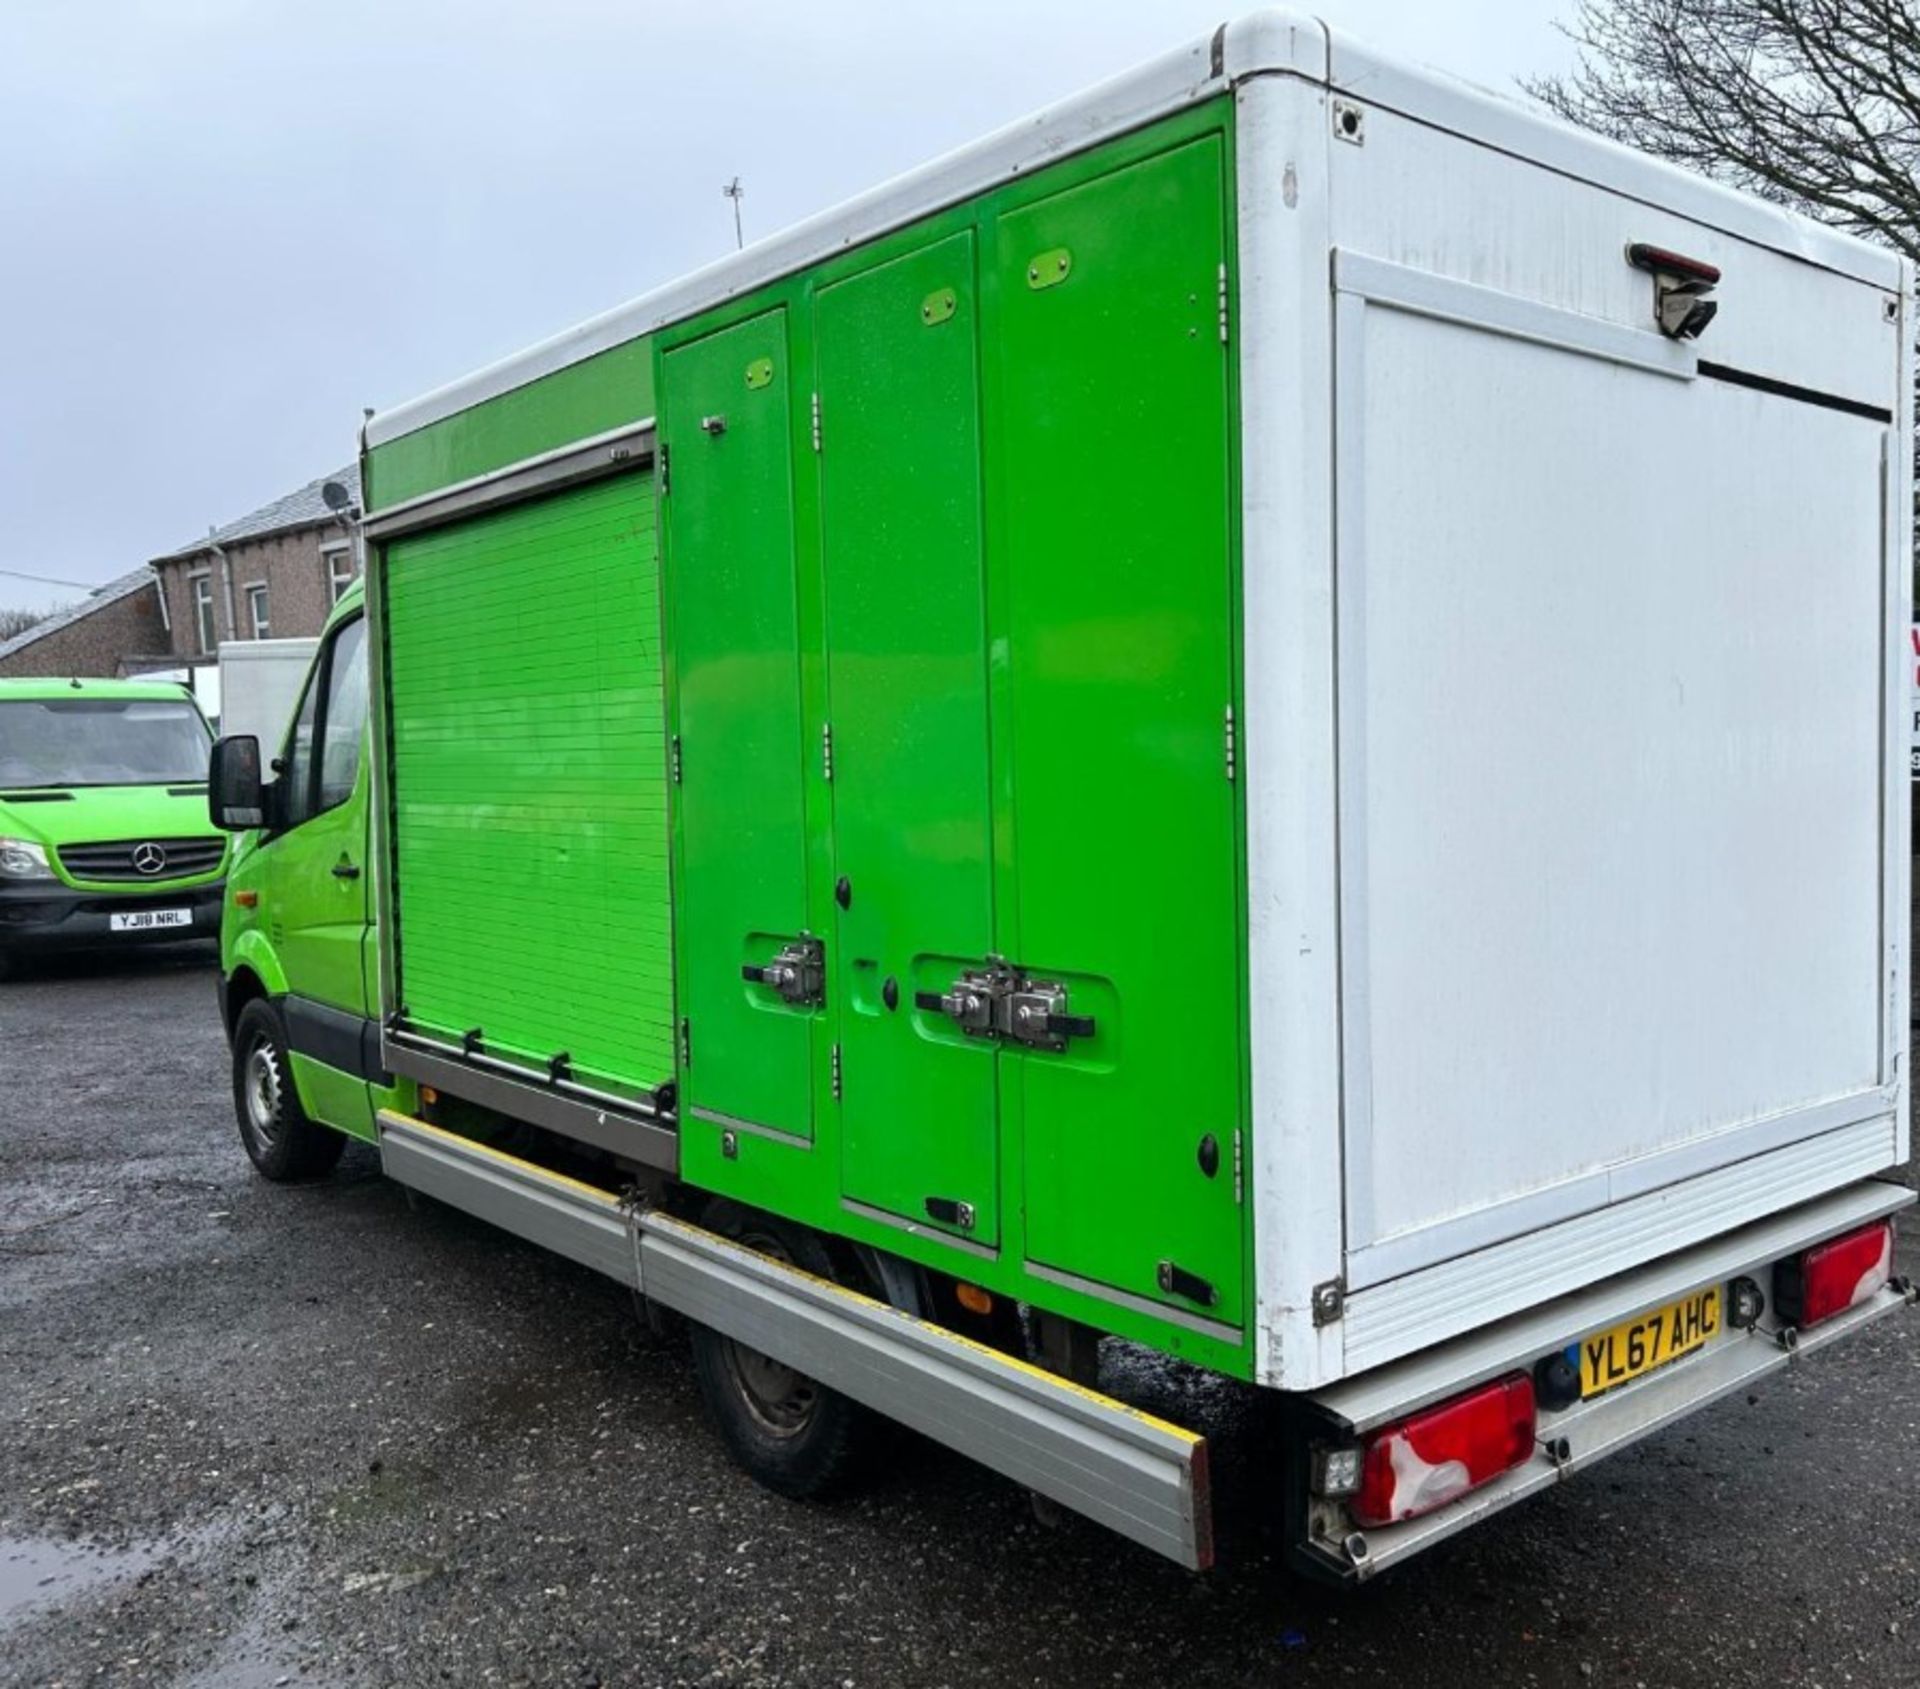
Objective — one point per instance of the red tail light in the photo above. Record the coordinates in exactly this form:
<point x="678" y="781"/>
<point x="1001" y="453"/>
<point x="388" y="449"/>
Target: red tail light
<point x="1832" y="1277"/>
<point x="1437" y="1455"/>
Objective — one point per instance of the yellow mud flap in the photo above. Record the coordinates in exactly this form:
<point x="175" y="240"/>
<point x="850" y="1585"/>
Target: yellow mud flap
<point x="1138" y="1475"/>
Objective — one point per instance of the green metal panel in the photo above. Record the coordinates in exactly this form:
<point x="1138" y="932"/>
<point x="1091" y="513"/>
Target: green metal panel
<point x="1114" y="440"/>
<point x="610" y="390"/>
<point x="741" y="802"/>
<point x="907" y="692"/>
<point x="529" y="782"/>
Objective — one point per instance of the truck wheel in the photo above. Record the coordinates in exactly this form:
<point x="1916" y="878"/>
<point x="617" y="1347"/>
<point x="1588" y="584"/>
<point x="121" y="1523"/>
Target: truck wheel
<point x="280" y="1140"/>
<point x="788" y="1432"/>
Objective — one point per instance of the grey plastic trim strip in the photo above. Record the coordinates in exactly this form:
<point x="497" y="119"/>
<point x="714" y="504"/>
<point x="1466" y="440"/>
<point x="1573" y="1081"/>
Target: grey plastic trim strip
<point x="652" y="1142"/>
<point x="612" y="453"/>
<point x="913" y="1228"/>
<point x="1139" y="1304"/>
<point x="340" y="1039"/>
<point x="1140" y="1476"/>
<point x="733" y="1123"/>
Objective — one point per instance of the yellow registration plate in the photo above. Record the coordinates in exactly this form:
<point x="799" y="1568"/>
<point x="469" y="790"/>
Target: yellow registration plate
<point x="1613" y="1357"/>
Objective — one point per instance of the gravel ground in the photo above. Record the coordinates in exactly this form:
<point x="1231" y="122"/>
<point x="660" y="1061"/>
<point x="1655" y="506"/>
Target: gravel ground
<point x="252" y="1435"/>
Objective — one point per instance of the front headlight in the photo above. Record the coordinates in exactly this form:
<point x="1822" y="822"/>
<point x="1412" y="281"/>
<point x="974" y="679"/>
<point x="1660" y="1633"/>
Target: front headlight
<point x="22" y="859"/>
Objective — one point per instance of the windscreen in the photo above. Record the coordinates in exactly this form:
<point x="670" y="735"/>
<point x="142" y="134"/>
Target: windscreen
<point x="100" y="742"/>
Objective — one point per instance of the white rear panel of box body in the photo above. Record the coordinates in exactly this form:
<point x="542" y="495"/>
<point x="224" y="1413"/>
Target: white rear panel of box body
<point x="1573" y="713"/>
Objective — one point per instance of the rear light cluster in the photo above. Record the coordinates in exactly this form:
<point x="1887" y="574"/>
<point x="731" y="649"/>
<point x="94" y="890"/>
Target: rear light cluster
<point x="1414" y="1465"/>
<point x="1834" y="1276"/>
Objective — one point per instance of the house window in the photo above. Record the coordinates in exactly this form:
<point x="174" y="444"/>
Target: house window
<point x="202" y="588"/>
<point x="257" y="608"/>
<point x="339" y="560"/>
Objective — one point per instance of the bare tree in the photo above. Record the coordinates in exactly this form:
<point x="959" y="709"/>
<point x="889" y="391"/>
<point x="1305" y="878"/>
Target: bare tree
<point x="18" y="621"/>
<point x="1810" y="103"/>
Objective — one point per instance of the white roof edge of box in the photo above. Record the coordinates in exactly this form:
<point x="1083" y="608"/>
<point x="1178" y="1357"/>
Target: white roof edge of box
<point x="1265" y="43"/>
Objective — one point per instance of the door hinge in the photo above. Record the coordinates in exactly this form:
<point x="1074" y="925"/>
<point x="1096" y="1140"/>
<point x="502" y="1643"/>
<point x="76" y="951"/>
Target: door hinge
<point x="1224" y="318"/>
<point x="676" y="758"/>
<point x="826" y="750"/>
<point x="836" y="1073"/>
<point x="1239" y="1164"/>
<point x="686" y="1043"/>
<point x="1329" y="1301"/>
<point x="816" y="419"/>
<point x="1232" y="749"/>
<point x="666" y="471"/>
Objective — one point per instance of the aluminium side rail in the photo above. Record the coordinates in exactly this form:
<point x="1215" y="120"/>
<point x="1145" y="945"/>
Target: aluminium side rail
<point x="1138" y="1475"/>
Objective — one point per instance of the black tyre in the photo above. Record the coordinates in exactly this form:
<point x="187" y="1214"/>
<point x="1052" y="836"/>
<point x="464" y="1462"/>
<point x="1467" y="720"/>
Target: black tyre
<point x="788" y="1432"/>
<point x="280" y="1140"/>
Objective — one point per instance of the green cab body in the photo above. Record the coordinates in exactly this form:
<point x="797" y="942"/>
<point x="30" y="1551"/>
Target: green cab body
<point x="298" y="927"/>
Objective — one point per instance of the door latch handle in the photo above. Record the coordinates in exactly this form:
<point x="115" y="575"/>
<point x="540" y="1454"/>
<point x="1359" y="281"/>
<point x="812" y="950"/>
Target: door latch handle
<point x="797" y="974"/>
<point x="345" y="870"/>
<point x="1175" y="1280"/>
<point x="1037" y="1015"/>
<point x="973" y="1002"/>
<point x="999" y="1001"/>
<point x="950" y="1212"/>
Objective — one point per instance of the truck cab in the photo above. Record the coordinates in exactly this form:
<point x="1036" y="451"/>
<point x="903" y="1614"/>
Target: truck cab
<point x="299" y="983"/>
<point x="104" y="839"/>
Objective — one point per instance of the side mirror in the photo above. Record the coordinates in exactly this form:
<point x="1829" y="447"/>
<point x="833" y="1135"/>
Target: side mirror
<point x="236" y="798"/>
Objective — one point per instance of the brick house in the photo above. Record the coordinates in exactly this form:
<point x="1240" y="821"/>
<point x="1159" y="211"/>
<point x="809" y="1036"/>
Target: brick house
<point x="118" y="629"/>
<point x="271" y="575"/>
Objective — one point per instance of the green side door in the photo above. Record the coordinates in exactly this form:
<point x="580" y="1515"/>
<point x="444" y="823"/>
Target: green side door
<point x="736" y="684"/>
<point x="530" y="782"/>
<point x="313" y="878"/>
<point x="907" y="700"/>
<point x="1116" y="508"/>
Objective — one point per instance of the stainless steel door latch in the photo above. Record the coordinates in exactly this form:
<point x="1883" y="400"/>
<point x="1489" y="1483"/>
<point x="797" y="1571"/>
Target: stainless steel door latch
<point x="1037" y="1015"/>
<point x="797" y="974"/>
<point x="1000" y="1001"/>
<point x="973" y="1001"/>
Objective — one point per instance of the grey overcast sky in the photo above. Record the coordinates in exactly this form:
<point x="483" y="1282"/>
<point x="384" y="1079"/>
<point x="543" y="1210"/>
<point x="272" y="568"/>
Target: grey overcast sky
<point x="230" y="224"/>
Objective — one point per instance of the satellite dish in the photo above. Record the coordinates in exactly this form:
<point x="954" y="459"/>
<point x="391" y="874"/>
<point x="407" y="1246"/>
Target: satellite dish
<point x="336" y="495"/>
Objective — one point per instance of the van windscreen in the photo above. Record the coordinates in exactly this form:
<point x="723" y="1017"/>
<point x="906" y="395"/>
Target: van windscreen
<point x="100" y="742"/>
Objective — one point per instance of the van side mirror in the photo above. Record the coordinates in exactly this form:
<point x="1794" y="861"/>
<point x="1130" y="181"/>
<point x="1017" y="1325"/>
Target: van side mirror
<point x="236" y="798"/>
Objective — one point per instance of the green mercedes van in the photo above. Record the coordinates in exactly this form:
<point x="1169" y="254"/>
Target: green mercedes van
<point x="104" y="837"/>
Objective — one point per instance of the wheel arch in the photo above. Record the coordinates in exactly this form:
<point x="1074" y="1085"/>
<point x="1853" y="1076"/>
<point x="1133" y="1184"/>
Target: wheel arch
<point x="252" y="971"/>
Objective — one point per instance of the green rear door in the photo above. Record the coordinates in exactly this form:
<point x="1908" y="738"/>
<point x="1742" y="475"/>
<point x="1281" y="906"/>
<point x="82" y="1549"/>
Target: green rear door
<point x="730" y="560"/>
<point x="1116" y="501"/>
<point x="907" y="682"/>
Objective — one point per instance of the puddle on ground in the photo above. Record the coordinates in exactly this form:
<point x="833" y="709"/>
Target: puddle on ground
<point x="36" y="1572"/>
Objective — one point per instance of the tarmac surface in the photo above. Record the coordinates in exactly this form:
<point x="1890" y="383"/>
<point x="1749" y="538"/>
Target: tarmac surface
<point x="255" y="1435"/>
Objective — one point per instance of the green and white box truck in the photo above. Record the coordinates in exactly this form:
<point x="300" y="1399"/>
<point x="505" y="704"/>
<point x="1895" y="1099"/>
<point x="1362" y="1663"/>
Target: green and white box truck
<point x="1262" y="715"/>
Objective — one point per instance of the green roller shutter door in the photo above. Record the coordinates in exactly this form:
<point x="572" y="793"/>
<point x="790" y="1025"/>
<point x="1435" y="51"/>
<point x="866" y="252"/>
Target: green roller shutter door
<point x="529" y="782"/>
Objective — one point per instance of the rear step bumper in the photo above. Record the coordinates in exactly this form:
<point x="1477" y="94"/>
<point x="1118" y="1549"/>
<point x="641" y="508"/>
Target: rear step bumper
<point x="1589" y="1431"/>
<point x="1136" y="1474"/>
